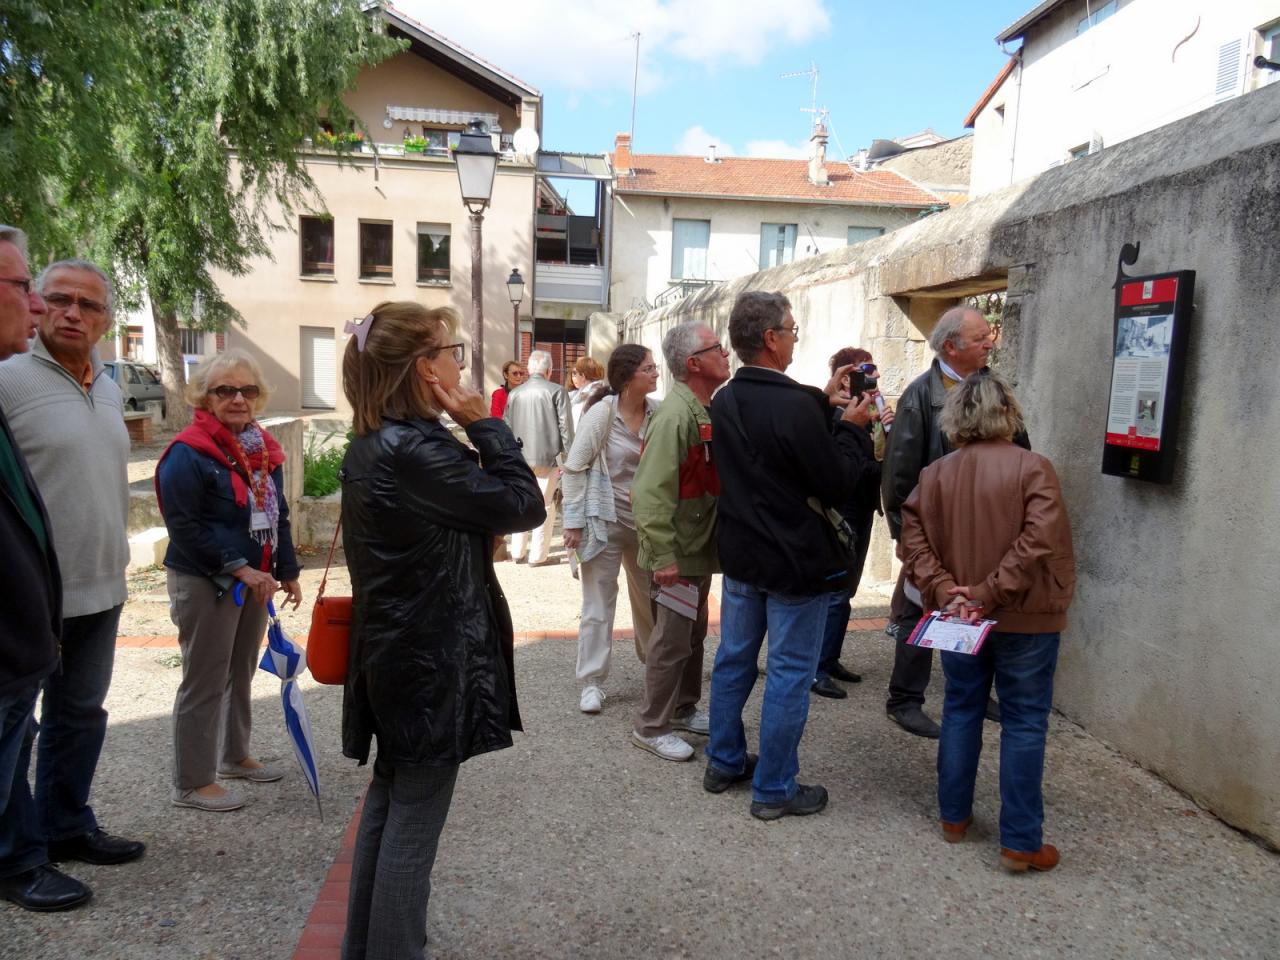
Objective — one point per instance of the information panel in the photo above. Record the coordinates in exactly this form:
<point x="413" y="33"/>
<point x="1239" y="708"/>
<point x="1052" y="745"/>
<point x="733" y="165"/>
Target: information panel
<point x="1151" y="319"/>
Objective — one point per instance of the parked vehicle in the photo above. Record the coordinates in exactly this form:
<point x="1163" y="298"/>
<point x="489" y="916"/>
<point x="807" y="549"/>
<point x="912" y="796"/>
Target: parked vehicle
<point x="138" y="382"/>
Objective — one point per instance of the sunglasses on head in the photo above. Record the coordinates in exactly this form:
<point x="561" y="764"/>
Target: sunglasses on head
<point x="226" y="391"/>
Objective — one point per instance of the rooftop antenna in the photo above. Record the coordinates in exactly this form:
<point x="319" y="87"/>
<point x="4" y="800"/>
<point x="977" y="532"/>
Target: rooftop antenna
<point x="812" y="74"/>
<point x="635" y="83"/>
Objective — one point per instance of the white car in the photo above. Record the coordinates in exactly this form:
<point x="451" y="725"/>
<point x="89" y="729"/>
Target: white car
<point x="138" y="382"/>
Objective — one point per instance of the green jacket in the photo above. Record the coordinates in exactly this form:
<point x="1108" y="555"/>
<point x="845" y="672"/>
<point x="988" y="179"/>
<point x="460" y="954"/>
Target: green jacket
<point x="673" y="495"/>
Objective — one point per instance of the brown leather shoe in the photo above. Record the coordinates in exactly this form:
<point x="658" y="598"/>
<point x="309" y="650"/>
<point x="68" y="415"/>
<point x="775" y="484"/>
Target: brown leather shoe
<point x="1016" y="861"/>
<point x="954" y="832"/>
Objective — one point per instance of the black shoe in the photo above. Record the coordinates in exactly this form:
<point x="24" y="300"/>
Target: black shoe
<point x="826" y="687"/>
<point x="98" y="847"/>
<point x="993" y="710"/>
<point x="845" y="675"/>
<point x="44" y="889"/>
<point x="807" y="800"/>
<point x="717" y="781"/>
<point x="913" y="720"/>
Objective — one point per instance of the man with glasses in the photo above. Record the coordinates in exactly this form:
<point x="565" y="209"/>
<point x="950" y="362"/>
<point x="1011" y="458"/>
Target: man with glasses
<point x="781" y="469"/>
<point x="67" y="416"/>
<point x="673" y="498"/>
<point x="31" y="601"/>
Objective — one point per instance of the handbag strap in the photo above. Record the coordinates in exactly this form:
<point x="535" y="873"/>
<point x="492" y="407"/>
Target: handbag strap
<point x="337" y="530"/>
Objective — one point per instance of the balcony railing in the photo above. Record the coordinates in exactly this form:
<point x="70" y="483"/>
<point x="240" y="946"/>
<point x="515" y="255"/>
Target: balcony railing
<point x="681" y="289"/>
<point x="571" y="283"/>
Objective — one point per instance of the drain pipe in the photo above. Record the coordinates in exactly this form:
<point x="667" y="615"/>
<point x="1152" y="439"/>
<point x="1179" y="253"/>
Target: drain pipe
<point x="1013" y="147"/>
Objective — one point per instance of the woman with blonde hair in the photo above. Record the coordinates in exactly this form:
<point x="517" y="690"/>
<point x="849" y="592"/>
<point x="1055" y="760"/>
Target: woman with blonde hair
<point x="588" y="383"/>
<point x="985" y="534"/>
<point x="430" y="672"/>
<point x="220" y="487"/>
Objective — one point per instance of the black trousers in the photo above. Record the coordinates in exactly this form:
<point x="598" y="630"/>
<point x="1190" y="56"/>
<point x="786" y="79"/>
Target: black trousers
<point x="911" y="665"/>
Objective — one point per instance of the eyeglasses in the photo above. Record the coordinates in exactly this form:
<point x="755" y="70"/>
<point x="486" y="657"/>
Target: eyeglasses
<point x="24" y="284"/>
<point x="714" y="346"/>
<point x="794" y="330"/>
<point x="459" y="351"/>
<point x="648" y="368"/>
<point x="226" y="391"/>
<point x="64" y="301"/>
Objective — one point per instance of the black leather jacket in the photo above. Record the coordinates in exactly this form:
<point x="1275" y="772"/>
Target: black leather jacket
<point x="915" y="441"/>
<point x="430" y="671"/>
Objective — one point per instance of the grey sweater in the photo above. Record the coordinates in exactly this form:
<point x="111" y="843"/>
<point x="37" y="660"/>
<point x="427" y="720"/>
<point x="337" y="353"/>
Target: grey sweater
<point x="78" y="450"/>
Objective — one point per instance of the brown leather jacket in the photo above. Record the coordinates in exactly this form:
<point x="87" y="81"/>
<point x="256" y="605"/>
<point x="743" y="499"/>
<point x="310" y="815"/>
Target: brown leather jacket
<point x="990" y="516"/>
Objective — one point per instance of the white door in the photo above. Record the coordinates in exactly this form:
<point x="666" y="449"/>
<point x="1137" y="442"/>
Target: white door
<point x="319" y="368"/>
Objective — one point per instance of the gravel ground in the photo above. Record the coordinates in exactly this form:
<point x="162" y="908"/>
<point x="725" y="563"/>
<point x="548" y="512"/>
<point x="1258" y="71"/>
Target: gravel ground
<point x="575" y="844"/>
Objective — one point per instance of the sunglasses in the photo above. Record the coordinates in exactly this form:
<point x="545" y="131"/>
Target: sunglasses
<point x="226" y="391"/>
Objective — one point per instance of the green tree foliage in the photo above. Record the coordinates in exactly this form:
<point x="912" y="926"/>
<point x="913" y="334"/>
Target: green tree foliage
<point x="194" y="127"/>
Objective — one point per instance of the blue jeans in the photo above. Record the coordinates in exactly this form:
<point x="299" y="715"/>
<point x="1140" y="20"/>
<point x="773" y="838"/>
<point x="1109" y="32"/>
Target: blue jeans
<point x="1022" y="666"/>
<point x="21" y="844"/>
<point x="73" y="724"/>
<point x="839" y="609"/>
<point x="795" y="627"/>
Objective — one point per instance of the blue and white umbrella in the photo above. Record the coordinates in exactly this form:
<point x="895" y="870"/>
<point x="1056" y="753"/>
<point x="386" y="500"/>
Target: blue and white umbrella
<point x="286" y="660"/>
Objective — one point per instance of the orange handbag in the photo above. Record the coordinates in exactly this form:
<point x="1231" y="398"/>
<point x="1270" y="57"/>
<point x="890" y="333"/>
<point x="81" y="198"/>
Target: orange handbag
<point x="330" y="636"/>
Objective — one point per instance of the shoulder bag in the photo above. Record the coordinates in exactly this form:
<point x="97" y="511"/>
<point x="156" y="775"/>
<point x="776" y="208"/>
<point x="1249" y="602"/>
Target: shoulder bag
<point x="330" y="636"/>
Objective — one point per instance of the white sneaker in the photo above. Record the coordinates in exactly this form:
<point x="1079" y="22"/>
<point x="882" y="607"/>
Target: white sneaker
<point x="592" y="700"/>
<point x="668" y="746"/>
<point x="697" y="722"/>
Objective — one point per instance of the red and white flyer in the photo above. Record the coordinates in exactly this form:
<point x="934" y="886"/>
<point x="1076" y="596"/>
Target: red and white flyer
<point x="939" y="632"/>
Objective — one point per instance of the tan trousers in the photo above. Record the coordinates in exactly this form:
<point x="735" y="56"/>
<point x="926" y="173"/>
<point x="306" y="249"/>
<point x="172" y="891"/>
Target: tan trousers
<point x="220" y="644"/>
<point x="599" y="600"/>
<point x="673" y="665"/>
<point x="539" y="539"/>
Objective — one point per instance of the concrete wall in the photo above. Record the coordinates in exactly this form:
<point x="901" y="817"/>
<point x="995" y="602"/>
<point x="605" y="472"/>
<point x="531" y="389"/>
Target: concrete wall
<point x="1147" y="65"/>
<point x="1170" y="655"/>
<point x="940" y="167"/>
<point x="641" y="267"/>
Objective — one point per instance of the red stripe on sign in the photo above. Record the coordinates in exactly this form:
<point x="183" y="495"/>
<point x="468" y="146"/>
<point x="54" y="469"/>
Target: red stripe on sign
<point x="1139" y="292"/>
<point x="1134" y="442"/>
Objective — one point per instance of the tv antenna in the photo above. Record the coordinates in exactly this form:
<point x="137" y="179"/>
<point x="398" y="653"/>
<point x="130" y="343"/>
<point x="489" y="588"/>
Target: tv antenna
<point x="812" y="74"/>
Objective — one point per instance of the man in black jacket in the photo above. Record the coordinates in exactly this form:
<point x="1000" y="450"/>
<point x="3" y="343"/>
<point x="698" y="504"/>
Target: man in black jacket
<point x="30" y="621"/>
<point x="961" y="341"/>
<point x="780" y="468"/>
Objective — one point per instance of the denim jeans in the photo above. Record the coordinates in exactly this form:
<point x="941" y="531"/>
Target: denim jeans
<point x="73" y="724"/>
<point x="839" y="609"/>
<point x="21" y="844"/>
<point x="794" y="625"/>
<point x="1022" y="666"/>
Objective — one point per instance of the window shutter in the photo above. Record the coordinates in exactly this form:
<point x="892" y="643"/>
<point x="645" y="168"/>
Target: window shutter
<point x="1228" y="82"/>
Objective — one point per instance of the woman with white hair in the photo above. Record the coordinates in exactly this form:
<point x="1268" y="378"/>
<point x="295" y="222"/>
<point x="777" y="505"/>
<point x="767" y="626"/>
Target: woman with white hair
<point x="985" y="534"/>
<point x="220" y="486"/>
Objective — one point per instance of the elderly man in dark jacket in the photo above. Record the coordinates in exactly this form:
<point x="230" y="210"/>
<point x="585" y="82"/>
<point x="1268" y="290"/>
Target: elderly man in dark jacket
<point x="781" y="468"/>
<point x="961" y="341"/>
<point x="30" y="621"/>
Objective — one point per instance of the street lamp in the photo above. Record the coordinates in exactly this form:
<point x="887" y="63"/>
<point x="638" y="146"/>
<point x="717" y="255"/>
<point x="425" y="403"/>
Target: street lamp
<point x="515" y="288"/>
<point x="476" y="161"/>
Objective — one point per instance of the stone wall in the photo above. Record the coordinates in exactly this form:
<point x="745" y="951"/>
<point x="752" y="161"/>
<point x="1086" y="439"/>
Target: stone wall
<point x="1170" y="655"/>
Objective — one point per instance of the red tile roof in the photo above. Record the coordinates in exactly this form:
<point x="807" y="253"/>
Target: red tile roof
<point x="1001" y="77"/>
<point x="759" y="179"/>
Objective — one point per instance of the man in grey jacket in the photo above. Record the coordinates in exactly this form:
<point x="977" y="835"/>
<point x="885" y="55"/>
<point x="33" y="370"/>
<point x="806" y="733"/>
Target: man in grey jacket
<point x="538" y="414"/>
<point x="66" y="414"/>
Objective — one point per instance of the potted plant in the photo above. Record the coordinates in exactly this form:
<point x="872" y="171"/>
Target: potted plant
<point x="415" y="144"/>
<point x="325" y="139"/>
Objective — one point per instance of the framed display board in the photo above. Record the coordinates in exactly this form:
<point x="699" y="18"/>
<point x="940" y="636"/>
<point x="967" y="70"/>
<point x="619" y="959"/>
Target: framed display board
<point x="1149" y="340"/>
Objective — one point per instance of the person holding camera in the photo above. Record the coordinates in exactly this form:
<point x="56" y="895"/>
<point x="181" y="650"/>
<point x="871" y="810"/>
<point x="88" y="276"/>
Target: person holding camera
<point x="859" y="511"/>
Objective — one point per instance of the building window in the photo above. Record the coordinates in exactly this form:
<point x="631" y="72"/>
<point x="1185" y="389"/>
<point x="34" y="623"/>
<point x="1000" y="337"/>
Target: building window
<point x="858" y="234"/>
<point x="1270" y="50"/>
<point x="375" y="250"/>
<point x="689" y="240"/>
<point x="777" y="244"/>
<point x="192" y="341"/>
<point x="433" y="253"/>
<point x="1095" y="17"/>
<point x="317" y="246"/>
<point x="133" y="342"/>
<point x="439" y="141"/>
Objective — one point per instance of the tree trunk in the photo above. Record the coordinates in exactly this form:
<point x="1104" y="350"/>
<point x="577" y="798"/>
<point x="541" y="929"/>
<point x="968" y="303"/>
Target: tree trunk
<point x="173" y="373"/>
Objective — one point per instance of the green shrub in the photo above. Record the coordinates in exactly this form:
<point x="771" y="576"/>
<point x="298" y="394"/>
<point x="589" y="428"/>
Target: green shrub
<point x="320" y="468"/>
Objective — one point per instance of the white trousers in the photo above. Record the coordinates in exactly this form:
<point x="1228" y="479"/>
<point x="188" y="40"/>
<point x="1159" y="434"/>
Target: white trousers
<point x="539" y="539"/>
<point x="599" y="600"/>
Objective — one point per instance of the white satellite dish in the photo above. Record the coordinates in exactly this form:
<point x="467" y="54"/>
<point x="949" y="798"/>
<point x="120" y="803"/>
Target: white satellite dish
<point x="526" y="141"/>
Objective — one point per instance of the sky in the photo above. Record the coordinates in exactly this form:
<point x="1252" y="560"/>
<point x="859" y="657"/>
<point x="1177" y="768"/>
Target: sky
<point x="710" y="71"/>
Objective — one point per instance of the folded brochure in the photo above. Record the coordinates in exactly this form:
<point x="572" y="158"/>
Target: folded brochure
<point x="941" y="633"/>
<point x="681" y="596"/>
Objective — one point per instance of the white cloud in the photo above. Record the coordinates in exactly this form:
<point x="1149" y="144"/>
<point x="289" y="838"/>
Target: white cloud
<point x="695" y="140"/>
<point x="777" y="149"/>
<point x="588" y="45"/>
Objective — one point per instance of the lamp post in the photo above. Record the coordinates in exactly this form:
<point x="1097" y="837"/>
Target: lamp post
<point x="515" y="288"/>
<point x="476" y="161"/>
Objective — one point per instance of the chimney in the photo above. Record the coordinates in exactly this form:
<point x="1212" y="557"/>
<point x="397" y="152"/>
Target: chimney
<point x="711" y="154"/>
<point x="622" y="155"/>
<point x="818" y="156"/>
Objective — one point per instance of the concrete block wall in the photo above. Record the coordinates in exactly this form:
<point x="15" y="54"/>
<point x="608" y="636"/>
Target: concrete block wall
<point x="1170" y="656"/>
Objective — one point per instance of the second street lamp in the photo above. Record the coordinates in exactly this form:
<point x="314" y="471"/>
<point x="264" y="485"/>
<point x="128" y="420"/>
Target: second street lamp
<point x="476" y="161"/>
<point x="515" y="288"/>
